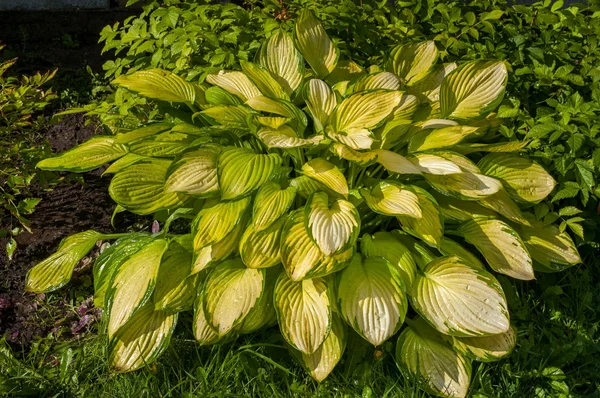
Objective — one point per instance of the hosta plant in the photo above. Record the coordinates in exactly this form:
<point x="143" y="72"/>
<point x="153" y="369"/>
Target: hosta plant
<point x="320" y="195"/>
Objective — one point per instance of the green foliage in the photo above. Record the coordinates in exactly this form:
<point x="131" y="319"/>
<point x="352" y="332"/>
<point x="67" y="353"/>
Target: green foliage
<point x="22" y="99"/>
<point x="338" y="185"/>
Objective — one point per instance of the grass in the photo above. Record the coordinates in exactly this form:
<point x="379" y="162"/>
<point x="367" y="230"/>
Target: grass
<point x="557" y="317"/>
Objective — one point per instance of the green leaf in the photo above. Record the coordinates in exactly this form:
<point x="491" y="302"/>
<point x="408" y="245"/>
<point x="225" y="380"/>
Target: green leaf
<point x="195" y="173"/>
<point x="501" y="246"/>
<point x="218" y="251"/>
<point x="271" y="202"/>
<point x="327" y="174"/>
<point x="523" y="179"/>
<point x="262" y="78"/>
<point x="175" y="288"/>
<point x="428" y="88"/>
<point x="386" y="245"/>
<point x="429" y="227"/>
<point x="473" y="90"/>
<point x="261" y="249"/>
<point x="203" y="332"/>
<point x="465" y="185"/>
<point x="334" y="228"/>
<point x="314" y="44"/>
<point x="56" y="271"/>
<point x="241" y="171"/>
<point x="439" y="138"/>
<point x="285" y="137"/>
<point x="217" y="220"/>
<point x="230" y="292"/>
<point x="487" y="348"/>
<point x="280" y="57"/>
<point x="85" y="157"/>
<point x="412" y="62"/>
<point x="159" y="84"/>
<point x="140" y="188"/>
<point x="460" y="299"/>
<point x="142" y="339"/>
<point x="452" y="248"/>
<point x="142" y="132"/>
<point x="235" y="83"/>
<point x="299" y="254"/>
<point x="374" y="81"/>
<point x="494" y="14"/>
<point x="132" y="284"/>
<point x="550" y="247"/>
<point x="371" y="298"/>
<point x="303" y="312"/>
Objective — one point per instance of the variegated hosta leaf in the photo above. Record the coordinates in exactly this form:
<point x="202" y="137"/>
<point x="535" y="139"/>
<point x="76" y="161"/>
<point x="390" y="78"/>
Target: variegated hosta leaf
<point x="363" y="159"/>
<point x="503" y="204"/>
<point x="406" y="108"/>
<point x="434" y="164"/>
<point x="473" y="90"/>
<point x="315" y="45"/>
<point x="386" y="245"/>
<point x="355" y="116"/>
<point x="142" y="132"/>
<point x="264" y="80"/>
<point x="299" y="254"/>
<point x="215" y="95"/>
<point x="423" y="352"/>
<point x="460" y="160"/>
<point x="303" y="312"/>
<point x="230" y="116"/>
<point x="219" y="251"/>
<point x="501" y="246"/>
<point x="306" y="186"/>
<point x="345" y="71"/>
<point x="439" y="138"/>
<point x="132" y="284"/>
<point x="235" y="83"/>
<point x="159" y="84"/>
<point x="280" y="57"/>
<point x="87" y="156"/>
<point x="56" y="271"/>
<point x="175" y="288"/>
<point x="333" y="228"/>
<point x="374" y="81"/>
<point x="460" y="299"/>
<point x="263" y="314"/>
<point x="552" y="249"/>
<point x="457" y="210"/>
<point x="452" y="248"/>
<point x="241" y="171"/>
<point x="396" y="163"/>
<point x="465" y="185"/>
<point x="260" y="249"/>
<point x="429" y="227"/>
<point x="230" y="292"/>
<point x="273" y="122"/>
<point x="371" y="298"/>
<point x="419" y="250"/>
<point x="203" y="332"/>
<point x="321" y="363"/>
<point x="271" y="202"/>
<point x="512" y="146"/>
<point x="487" y="348"/>
<point x="213" y="223"/>
<point x="320" y="101"/>
<point x="524" y="180"/>
<point x="164" y="145"/>
<point x="327" y="174"/>
<point x="428" y="88"/>
<point x="124" y="162"/>
<point x="111" y="259"/>
<point x="140" y="188"/>
<point x="285" y="137"/>
<point x="392" y="199"/>
<point x="412" y="62"/>
<point x="195" y="173"/>
<point x="142" y="339"/>
<point x="331" y="264"/>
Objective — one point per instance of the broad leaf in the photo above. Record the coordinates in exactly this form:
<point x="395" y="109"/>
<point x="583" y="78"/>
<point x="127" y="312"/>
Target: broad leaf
<point x="396" y="163"/>
<point x="285" y="137"/>
<point x="271" y="202"/>
<point x="299" y="254"/>
<point x="439" y="138"/>
<point x="195" y="173"/>
<point x="487" y="348"/>
<point x="213" y="223"/>
<point x="429" y="227"/>
<point x="175" y="288"/>
<point x="412" y="62"/>
<point x="87" y="156"/>
<point x="374" y="81"/>
<point x="327" y="174"/>
<point x="260" y="249"/>
<point x="392" y="199"/>
<point x="218" y="251"/>
<point x="264" y="80"/>
<point x="159" y="84"/>
<point x="314" y="43"/>
<point x="553" y="249"/>
<point x="280" y="57"/>
<point x="235" y="83"/>
<point x="320" y="101"/>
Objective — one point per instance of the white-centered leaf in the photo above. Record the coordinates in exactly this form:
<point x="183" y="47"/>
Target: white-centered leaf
<point x="364" y="110"/>
<point x="56" y="271"/>
<point x="523" y="179"/>
<point x="428" y="88"/>
<point x="434" y="164"/>
<point x="363" y="159"/>
<point x="460" y="299"/>
<point x="230" y="292"/>
<point x="386" y="245"/>
<point x="374" y="81"/>
<point x="320" y="101"/>
<point x="318" y="49"/>
<point x="465" y="185"/>
<point x="263" y="314"/>
<point x="142" y="339"/>
<point x="371" y="298"/>
<point x="332" y="227"/>
<point x="487" y="348"/>
<point x="396" y="163"/>
<point x="260" y="249"/>
<point x="242" y="170"/>
<point x="213" y="223"/>
<point x="159" y="84"/>
<point x="203" y="332"/>
<point x="503" y="204"/>
<point x="271" y="202"/>
<point x="473" y="90"/>
<point x="303" y="311"/>
<point x="430" y="227"/>
<point x="355" y="138"/>
<point x="214" y="253"/>
<point x="392" y="199"/>
<point x="501" y="246"/>
<point x="406" y="108"/>
<point x="229" y="116"/>
<point x="285" y="137"/>
<point x="235" y="83"/>
<point x="299" y="253"/>
<point x="85" y="157"/>
<point x="458" y="210"/>
<point x="327" y="174"/>
<point x="412" y="62"/>
<point x="195" y="173"/>
<point x="280" y="57"/>
<point x="423" y="352"/>
<point x="132" y="284"/>
<point x="175" y="288"/>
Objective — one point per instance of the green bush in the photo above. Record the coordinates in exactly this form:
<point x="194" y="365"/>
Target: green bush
<point x="320" y="193"/>
<point x="21" y="101"/>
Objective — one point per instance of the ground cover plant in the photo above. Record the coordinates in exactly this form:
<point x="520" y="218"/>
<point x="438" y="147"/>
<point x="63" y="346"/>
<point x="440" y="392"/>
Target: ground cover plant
<point x="320" y="193"/>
